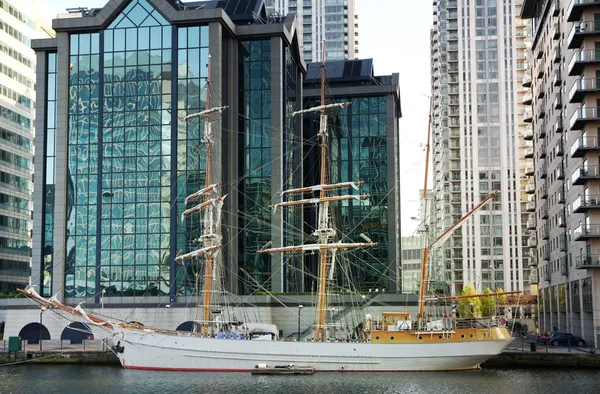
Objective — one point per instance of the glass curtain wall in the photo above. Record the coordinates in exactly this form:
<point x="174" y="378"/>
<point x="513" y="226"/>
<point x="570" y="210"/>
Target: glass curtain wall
<point x="192" y="72"/>
<point x="50" y="172"/>
<point x="255" y="161"/>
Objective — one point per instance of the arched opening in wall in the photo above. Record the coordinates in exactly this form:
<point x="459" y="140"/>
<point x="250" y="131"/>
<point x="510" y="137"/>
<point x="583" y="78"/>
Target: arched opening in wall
<point x="186" y="326"/>
<point x="31" y="333"/>
<point x="76" y="332"/>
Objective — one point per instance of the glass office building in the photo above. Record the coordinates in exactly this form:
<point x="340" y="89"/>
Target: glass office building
<point x="20" y="22"/>
<point x="364" y="147"/>
<point x="119" y="158"/>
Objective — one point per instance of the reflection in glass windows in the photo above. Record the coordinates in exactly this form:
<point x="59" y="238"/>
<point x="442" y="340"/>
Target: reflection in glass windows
<point x="120" y="157"/>
<point x="136" y="153"/>
<point x="49" y="184"/>
<point x="192" y="72"/>
<point x="84" y="95"/>
<point x="255" y="161"/>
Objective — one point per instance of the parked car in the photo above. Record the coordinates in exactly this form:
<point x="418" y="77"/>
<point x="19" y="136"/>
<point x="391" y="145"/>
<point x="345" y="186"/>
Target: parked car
<point x="563" y="338"/>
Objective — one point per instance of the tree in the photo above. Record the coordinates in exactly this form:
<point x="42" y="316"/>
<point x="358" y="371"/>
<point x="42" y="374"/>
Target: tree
<point x="501" y="298"/>
<point x="488" y="304"/>
<point x="469" y="307"/>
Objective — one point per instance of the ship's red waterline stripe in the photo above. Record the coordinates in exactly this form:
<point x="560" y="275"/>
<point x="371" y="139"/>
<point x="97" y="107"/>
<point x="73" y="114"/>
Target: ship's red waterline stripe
<point x="253" y="369"/>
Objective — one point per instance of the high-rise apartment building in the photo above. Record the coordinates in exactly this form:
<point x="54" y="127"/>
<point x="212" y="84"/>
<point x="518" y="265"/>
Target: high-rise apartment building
<point x="566" y="98"/>
<point x="20" y="22"/>
<point x="330" y="20"/>
<point x="477" y="63"/>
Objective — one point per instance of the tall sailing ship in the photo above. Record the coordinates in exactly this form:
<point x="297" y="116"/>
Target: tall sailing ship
<point x="222" y="342"/>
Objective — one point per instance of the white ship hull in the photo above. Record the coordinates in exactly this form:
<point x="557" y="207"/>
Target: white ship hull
<point x="153" y="350"/>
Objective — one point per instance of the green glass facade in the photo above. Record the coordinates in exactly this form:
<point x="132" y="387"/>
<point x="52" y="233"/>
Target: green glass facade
<point x="255" y="188"/>
<point x="359" y="152"/>
<point x="131" y="158"/>
<point x="192" y="58"/>
<point x="49" y="177"/>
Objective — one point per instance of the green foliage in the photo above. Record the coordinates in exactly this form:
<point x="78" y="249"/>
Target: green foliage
<point x="501" y="298"/>
<point x="469" y="307"/>
<point x="488" y="304"/>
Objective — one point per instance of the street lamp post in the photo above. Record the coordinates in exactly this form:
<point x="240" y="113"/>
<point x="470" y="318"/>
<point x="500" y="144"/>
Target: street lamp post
<point x="41" y="325"/>
<point x="299" y="310"/>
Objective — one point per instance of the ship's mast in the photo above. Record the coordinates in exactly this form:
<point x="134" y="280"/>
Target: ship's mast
<point x="324" y="232"/>
<point x="211" y="207"/>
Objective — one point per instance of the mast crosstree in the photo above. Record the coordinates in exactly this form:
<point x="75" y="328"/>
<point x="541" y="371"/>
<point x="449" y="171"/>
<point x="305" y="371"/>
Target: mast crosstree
<point x="210" y="208"/>
<point x="325" y="233"/>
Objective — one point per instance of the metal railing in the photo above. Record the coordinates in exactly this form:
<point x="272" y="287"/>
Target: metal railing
<point x="590" y="230"/>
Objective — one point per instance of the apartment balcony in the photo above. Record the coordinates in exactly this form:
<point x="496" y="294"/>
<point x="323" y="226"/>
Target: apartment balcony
<point x="531" y="224"/>
<point x="557" y="77"/>
<point x="582" y="58"/>
<point x="583" y="145"/>
<point x="577" y="7"/>
<point x="559" y="148"/>
<point x="529" y="152"/>
<point x="585" y="174"/>
<point x="530" y="188"/>
<point x="541" y="113"/>
<point x="543" y="191"/>
<point x="586" y="231"/>
<point x="527" y="116"/>
<point x="527" y="98"/>
<point x="533" y="278"/>
<point x="562" y="242"/>
<point x="581" y="87"/>
<point x="587" y="261"/>
<point x="529" y="170"/>
<point x="547" y="276"/>
<point x="532" y="241"/>
<point x="526" y="81"/>
<point x="561" y="197"/>
<point x="528" y="134"/>
<point x="545" y="232"/>
<point x="544" y="172"/>
<point x="557" y="104"/>
<point x="541" y="129"/>
<point x="558" y="125"/>
<point x="560" y="172"/>
<point x="585" y="203"/>
<point x="580" y="31"/>
<point x="556" y="56"/>
<point x="564" y="267"/>
<point x="583" y="116"/>
<point x="530" y="206"/>
<point x="542" y="152"/>
<point x="561" y="219"/>
<point x="544" y="211"/>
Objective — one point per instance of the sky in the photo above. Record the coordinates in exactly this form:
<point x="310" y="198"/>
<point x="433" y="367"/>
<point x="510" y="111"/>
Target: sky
<point x="395" y="33"/>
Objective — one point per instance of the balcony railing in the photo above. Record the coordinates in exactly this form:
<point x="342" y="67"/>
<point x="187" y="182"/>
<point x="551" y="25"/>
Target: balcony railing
<point x="533" y="278"/>
<point x="582" y="116"/>
<point x="529" y="170"/>
<point x="576" y="8"/>
<point x="529" y="152"/>
<point x="530" y="188"/>
<point x="583" y="174"/>
<point x="528" y="134"/>
<point x="582" y="145"/>
<point x="586" y="231"/>
<point x="581" y="30"/>
<point x="582" y="57"/>
<point x="586" y="261"/>
<point x="584" y="203"/>
<point x="581" y="87"/>
<point x="530" y="206"/>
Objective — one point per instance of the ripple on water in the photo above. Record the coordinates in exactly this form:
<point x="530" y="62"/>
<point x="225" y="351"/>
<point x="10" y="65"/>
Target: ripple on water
<point x="105" y="379"/>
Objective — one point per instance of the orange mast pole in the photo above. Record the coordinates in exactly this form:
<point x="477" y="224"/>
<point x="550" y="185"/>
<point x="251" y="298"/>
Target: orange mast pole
<point x="209" y="260"/>
<point x="422" y="287"/>
<point x="322" y="290"/>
